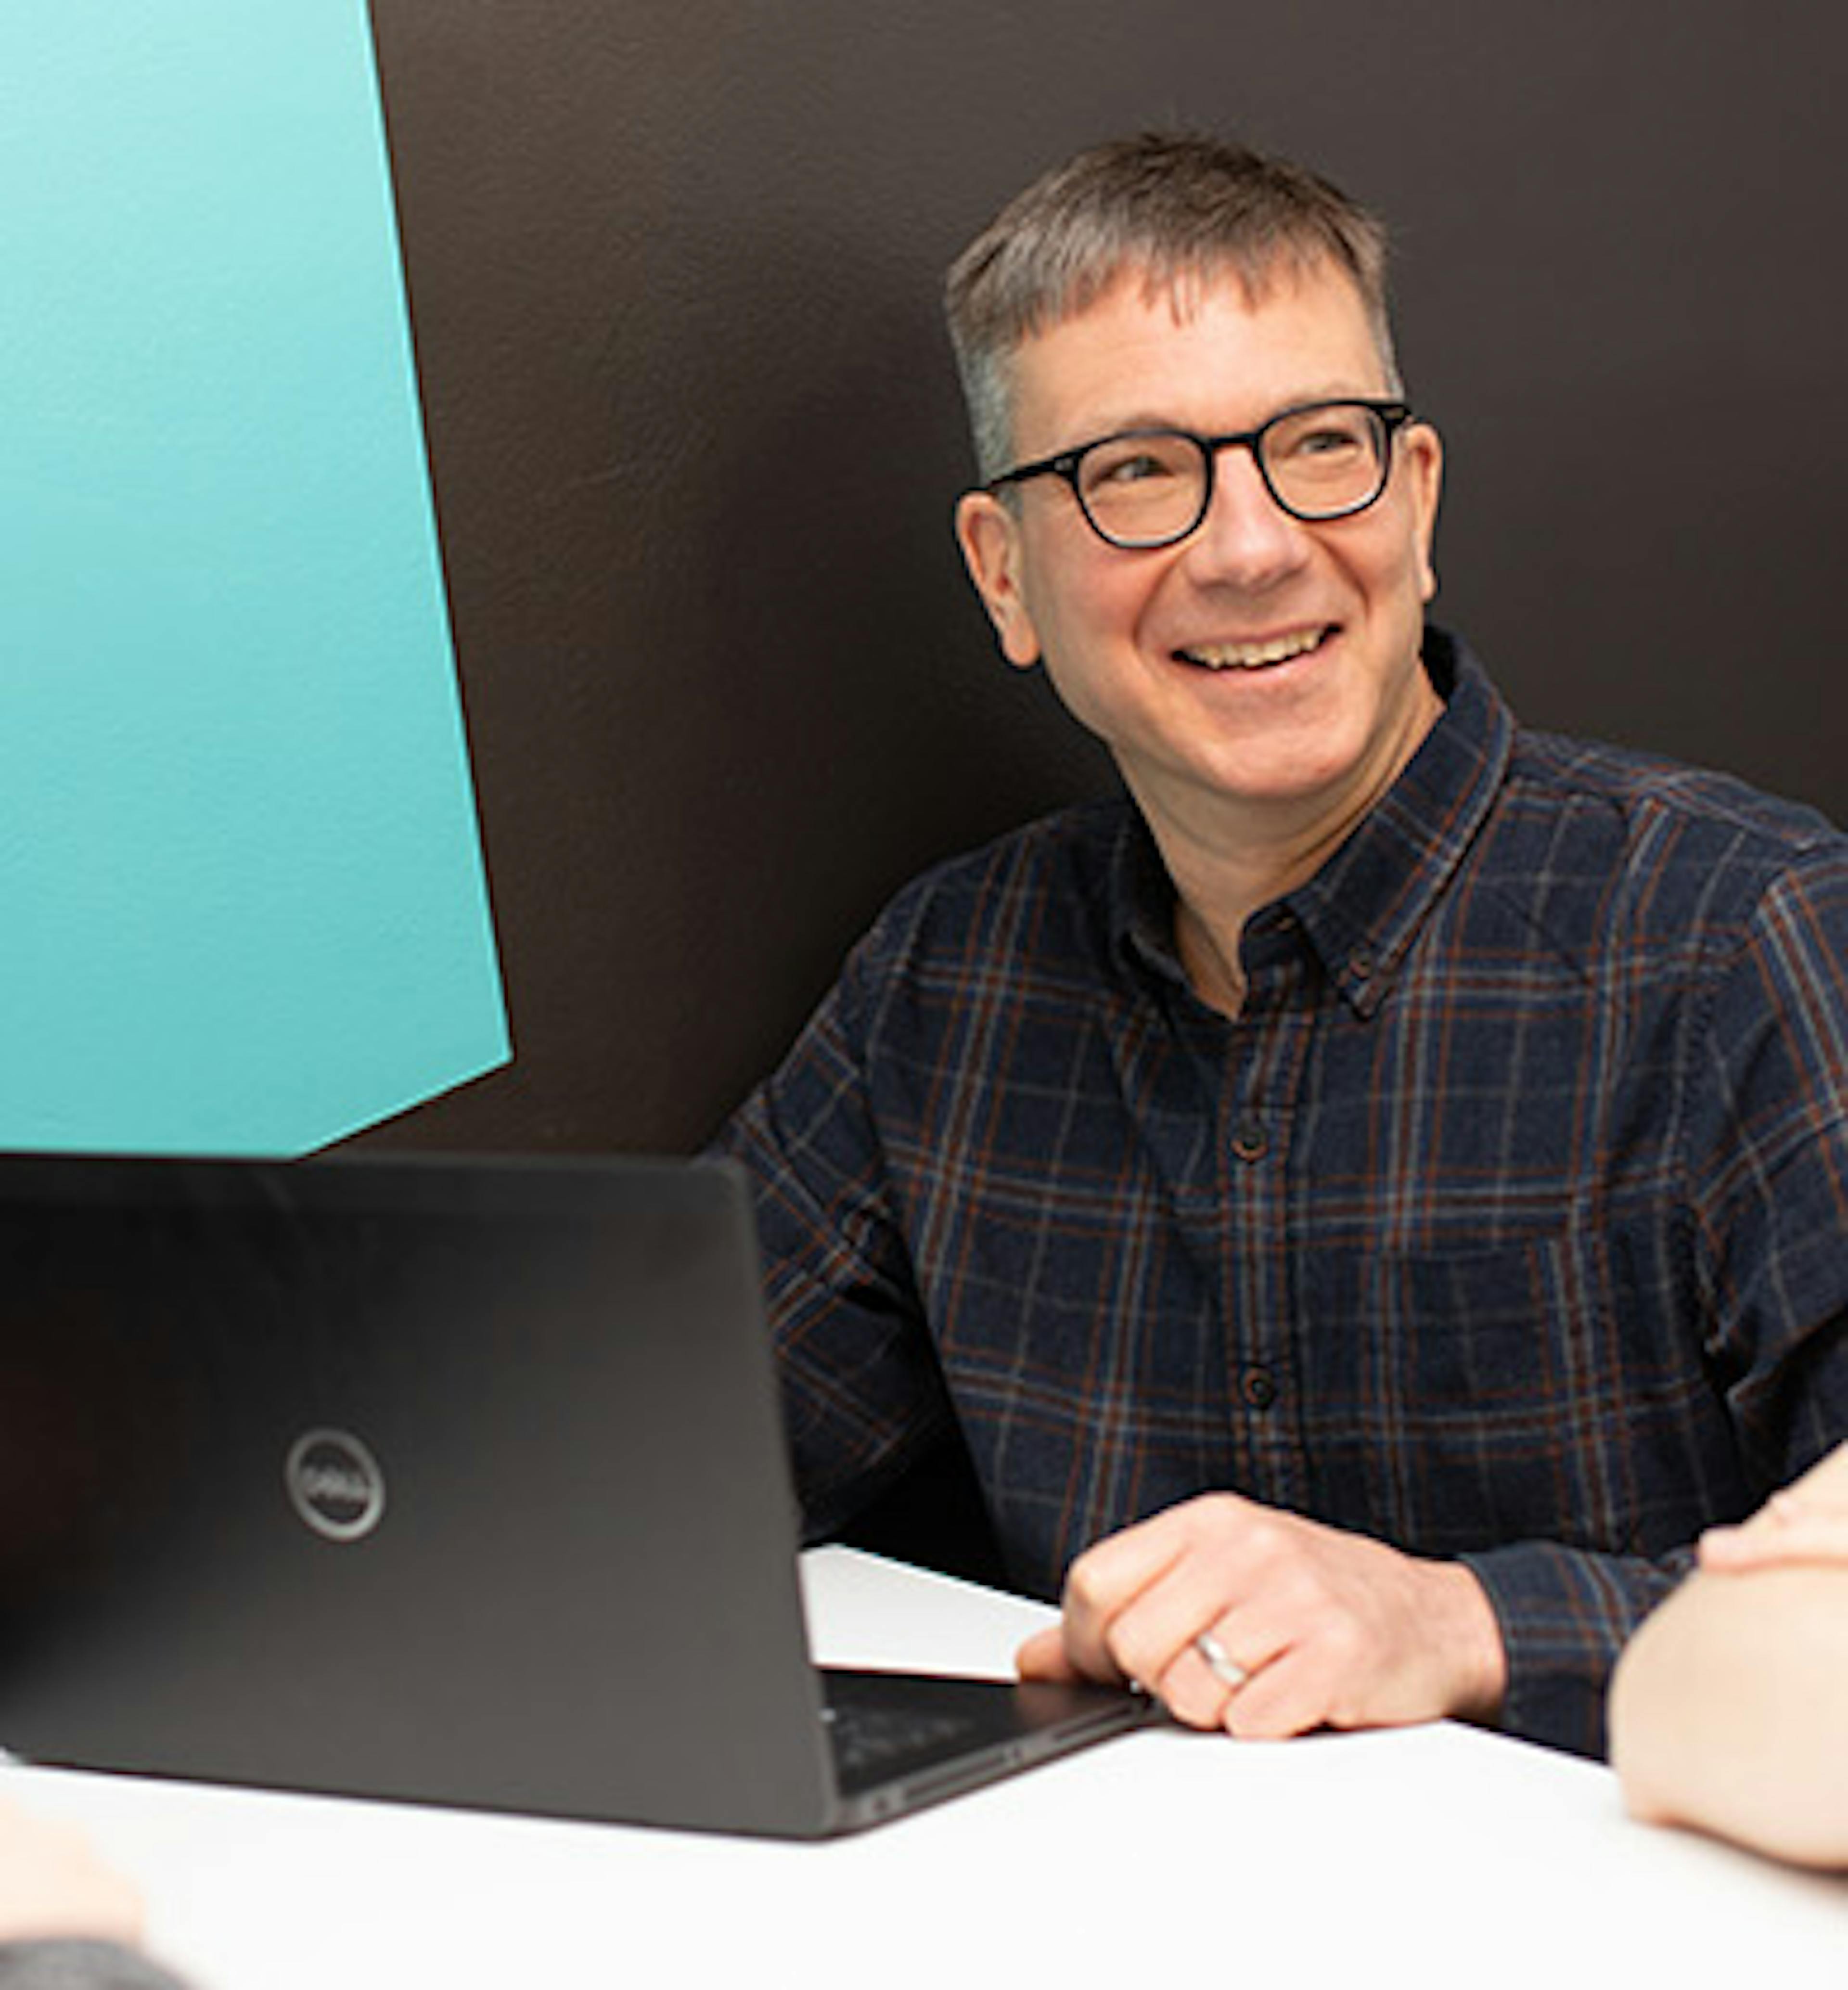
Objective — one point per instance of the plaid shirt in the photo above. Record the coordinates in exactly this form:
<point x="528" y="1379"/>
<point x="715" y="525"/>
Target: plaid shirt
<point x="1508" y="1222"/>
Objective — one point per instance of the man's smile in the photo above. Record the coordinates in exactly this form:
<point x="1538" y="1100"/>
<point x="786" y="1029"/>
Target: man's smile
<point x="1257" y="656"/>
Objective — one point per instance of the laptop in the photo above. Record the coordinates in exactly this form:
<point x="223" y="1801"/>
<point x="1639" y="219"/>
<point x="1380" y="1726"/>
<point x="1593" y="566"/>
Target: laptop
<point x="458" y="1480"/>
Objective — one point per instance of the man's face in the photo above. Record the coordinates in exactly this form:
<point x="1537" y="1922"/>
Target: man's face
<point x="1262" y="677"/>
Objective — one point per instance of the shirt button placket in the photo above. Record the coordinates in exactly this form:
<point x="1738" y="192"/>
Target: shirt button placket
<point x="1262" y="1329"/>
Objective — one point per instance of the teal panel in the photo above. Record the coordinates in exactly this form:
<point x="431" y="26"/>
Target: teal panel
<point x="242" y="902"/>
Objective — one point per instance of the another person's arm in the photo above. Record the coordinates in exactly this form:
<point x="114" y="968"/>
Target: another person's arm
<point x="52" y="1883"/>
<point x="67" y="1921"/>
<point x="1729" y="1711"/>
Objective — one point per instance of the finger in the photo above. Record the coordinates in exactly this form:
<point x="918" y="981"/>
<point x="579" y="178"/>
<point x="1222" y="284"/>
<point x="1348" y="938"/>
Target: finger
<point x="1299" y="1669"/>
<point x="1322" y="1664"/>
<point x="1204" y="1679"/>
<point x="1289" y="1696"/>
<point x="1253" y="1647"/>
<point x="1826" y="1481"/>
<point x="1135" y="1555"/>
<point x="1106" y="1583"/>
<point x="1821" y="1491"/>
<point x="1044" y="1656"/>
<point x="1207" y="1678"/>
<point x="1810" y="1500"/>
<point x="1220" y="1662"/>
<point x="1151" y="1637"/>
<point x="1182" y="1572"/>
<point x="1799" y="1536"/>
<point x="1195" y="1690"/>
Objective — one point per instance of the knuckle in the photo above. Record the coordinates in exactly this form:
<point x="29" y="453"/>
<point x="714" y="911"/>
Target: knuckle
<point x="1084" y="1591"/>
<point x="1271" y="1543"/>
<point x="1227" y="1516"/>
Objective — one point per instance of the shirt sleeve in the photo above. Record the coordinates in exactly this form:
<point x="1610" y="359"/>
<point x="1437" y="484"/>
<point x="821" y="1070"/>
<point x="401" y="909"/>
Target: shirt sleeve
<point x="1764" y="1148"/>
<point x="1565" y="1614"/>
<point x="863" y="1394"/>
<point x="74" y="1963"/>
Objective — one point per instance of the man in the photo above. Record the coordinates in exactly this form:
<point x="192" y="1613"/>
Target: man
<point x="1370" y="1196"/>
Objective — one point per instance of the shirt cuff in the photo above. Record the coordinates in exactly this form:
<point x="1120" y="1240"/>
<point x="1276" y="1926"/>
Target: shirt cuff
<point x="1565" y="1614"/>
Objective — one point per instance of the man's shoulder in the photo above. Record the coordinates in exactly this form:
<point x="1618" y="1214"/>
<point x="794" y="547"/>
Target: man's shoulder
<point x="1645" y="808"/>
<point x="1078" y="844"/>
<point x="1043" y="875"/>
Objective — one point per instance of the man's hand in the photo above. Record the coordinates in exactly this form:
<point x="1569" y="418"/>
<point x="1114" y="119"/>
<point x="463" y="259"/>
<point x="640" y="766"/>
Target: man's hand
<point x="1327" y="1629"/>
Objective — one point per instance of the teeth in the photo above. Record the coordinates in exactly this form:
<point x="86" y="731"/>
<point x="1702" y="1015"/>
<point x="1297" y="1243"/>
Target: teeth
<point x="1255" y="656"/>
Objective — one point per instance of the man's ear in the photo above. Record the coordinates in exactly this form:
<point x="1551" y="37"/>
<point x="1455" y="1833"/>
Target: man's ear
<point x="1423" y="449"/>
<point x="990" y="536"/>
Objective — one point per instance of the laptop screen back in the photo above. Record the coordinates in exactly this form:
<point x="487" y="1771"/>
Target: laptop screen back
<point x="459" y="1480"/>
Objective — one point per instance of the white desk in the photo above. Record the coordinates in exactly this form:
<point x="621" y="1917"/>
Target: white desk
<point x="1433" y="1857"/>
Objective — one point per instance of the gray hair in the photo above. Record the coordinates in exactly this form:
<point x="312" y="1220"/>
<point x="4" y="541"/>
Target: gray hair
<point x="1178" y="209"/>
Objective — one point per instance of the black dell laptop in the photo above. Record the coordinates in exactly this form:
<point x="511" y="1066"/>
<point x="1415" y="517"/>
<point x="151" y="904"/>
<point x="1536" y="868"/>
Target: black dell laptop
<point x="457" y="1481"/>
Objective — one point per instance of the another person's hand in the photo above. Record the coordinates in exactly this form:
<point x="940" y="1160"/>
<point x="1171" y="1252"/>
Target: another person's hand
<point x="1729" y="1708"/>
<point x="1808" y="1522"/>
<point x="1241" y="1617"/>
<point x="52" y="1884"/>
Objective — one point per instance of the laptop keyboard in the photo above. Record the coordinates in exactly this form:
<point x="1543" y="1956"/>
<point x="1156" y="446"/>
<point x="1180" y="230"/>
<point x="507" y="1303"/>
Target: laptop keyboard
<point x="868" y="1740"/>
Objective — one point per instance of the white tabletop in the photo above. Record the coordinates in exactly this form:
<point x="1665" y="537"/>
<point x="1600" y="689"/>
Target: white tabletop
<point x="1433" y="1857"/>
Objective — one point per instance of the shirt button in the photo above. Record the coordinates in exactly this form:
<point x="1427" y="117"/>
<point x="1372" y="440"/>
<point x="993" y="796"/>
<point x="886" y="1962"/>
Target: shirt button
<point x="1250" y="1142"/>
<point x="1360" y="964"/>
<point x="1258" y="1387"/>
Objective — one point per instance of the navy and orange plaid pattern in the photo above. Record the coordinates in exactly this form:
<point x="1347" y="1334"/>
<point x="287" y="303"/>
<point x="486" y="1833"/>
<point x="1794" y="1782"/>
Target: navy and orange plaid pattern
<point x="1509" y="1221"/>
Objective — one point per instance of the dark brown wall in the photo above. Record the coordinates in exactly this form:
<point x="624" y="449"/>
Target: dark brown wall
<point x="674" y="268"/>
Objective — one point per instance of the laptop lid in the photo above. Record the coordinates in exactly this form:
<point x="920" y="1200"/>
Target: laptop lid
<point x="454" y="1480"/>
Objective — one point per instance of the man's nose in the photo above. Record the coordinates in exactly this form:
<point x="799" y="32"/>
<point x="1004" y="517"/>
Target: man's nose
<point x="1246" y="537"/>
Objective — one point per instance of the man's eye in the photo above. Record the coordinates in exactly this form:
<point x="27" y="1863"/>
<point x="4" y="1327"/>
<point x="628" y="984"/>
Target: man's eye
<point x="1325" y="442"/>
<point x="1137" y="467"/>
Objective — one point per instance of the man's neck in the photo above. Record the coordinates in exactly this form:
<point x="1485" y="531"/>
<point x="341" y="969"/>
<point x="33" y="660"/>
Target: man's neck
<point x="1228" y="859"/>
<point x="1217" y="887"/>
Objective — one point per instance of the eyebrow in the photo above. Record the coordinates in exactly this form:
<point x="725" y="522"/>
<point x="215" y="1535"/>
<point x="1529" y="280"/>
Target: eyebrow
<point x="1307" y="397"/>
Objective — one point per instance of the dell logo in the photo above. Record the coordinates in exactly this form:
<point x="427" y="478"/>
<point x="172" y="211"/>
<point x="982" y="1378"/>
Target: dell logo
<point x="335" y="1484"/>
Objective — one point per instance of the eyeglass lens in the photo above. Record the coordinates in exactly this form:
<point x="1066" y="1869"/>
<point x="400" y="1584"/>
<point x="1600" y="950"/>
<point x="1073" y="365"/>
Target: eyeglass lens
<point x="1319" y="463"/>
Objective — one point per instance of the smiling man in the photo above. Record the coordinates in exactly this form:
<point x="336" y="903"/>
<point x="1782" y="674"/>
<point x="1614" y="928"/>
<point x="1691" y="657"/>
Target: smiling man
<point x="1255" y="670"/>
<point x="1369" y="1195"/>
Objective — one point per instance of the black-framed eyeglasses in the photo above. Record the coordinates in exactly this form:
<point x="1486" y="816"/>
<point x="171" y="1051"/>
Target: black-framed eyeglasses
<point x="1149" y="487"/>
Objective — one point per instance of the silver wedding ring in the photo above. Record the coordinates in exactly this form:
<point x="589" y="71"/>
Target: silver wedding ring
<point x="1220" y="1662"/>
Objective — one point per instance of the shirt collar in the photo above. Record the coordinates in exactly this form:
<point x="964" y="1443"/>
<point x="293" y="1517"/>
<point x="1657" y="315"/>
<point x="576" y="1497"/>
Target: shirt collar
<point x="1360" y="912"/>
